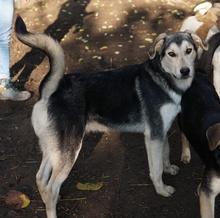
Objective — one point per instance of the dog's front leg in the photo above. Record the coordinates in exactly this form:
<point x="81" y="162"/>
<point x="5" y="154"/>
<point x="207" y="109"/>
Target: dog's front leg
<point x="155" y="150"/>
<point x="207" y="204"/>
<point x="216" y="70"/>
<point x="167" y="167"/>
<point x="186" y="154"/>
<point x="208" y="190"/>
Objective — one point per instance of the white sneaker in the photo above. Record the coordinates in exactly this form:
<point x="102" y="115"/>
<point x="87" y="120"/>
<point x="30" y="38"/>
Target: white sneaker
<point x="8" y="92"/>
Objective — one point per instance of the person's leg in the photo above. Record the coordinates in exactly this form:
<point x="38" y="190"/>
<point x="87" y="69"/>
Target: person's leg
<point x="7" y="91"/>
<point x="6" y="17"/>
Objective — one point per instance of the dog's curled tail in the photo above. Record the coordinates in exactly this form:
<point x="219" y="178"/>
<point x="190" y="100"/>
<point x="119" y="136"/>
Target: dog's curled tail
<point x="205" y="62"/>
<point x="54" y="51"/>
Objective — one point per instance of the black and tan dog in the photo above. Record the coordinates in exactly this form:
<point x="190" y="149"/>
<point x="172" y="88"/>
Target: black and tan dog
<point x="141" y="98"/>
<point x="200" y="122"/>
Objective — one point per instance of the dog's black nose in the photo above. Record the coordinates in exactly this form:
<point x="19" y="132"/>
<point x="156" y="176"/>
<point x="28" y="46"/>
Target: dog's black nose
<point x="185" y="71"/>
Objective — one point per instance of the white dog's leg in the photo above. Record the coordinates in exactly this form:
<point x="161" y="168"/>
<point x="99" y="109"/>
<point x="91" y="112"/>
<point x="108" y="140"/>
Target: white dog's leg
<point x="55" y="167"/>
<point x="155" y="159"/>
<point x="59" y="174"/>
<point x="167" y="167"/>
<point x="186" y="154"/>
<point x="43" y="174"/>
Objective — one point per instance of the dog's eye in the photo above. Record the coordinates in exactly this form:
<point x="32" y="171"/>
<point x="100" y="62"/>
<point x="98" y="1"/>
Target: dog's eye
<point x="188" y="50"/>
<point x="171" y="54"/>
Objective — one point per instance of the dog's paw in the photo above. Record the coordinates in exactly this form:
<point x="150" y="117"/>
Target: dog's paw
<point x="186" y="153"/>
<point x="172" y="170"/>
<point x="170" y="189"/>
<point x="167" y="191"/>
<point x="185" y="158"/>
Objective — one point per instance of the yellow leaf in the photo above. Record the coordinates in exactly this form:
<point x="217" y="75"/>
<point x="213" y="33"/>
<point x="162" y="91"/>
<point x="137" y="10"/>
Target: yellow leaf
<point x="25" y="199"/>
<point x="104" y="47"/>
<point x="89" y="186"/>
<point x="97" y="57"/>
<point x="81" y="59"/>
<point x="148" y="39"/>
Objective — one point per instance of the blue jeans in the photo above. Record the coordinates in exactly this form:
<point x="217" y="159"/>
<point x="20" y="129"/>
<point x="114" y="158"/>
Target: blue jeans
<point x="6" y="20"/>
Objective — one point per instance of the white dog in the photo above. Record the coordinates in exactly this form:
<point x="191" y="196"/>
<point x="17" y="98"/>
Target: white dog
<point x="193" y="23"/>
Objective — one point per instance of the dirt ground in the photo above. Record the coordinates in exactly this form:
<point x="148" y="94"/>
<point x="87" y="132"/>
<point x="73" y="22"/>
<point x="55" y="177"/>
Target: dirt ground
<point x="96" y="35"/>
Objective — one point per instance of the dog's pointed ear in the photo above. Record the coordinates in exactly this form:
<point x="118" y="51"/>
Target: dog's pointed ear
<point x="199" y="41"/>
<point x="156" y="46"/>
<point x="213" y="136"/>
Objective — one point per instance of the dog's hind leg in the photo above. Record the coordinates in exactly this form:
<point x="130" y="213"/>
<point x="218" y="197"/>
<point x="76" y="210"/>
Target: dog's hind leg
<point x="43" y="174"/>
<point x="59" y="174"/>
<point x="155" y="149"/>
<point x="55" y="167"/>
<point x="186" y="154"/>
<point x="167" y="166"/>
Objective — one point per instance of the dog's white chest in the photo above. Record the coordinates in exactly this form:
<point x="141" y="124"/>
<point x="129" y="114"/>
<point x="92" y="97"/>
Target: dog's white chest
<point x="168" y="113"/>
<point x="216" y="185"/>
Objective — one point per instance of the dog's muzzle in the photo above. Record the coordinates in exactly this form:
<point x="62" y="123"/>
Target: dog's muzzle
<point x="185" y="72"/>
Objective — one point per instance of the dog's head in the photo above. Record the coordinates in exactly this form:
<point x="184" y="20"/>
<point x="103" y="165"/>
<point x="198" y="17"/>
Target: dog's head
<point x="177" y="52"/>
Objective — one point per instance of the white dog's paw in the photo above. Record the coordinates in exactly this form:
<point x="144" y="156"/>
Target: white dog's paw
<point x="170" y="189"/>
<point x="172" y="170"/>
<point x="185" y="158"/>
<point x="167" y="191"/>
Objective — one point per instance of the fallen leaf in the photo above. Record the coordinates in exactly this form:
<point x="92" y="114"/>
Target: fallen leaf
<point x="16" y="198"/>
<point x="25" y="199"/>
<point x="104" y="47"/>
<point x="148" y="39"/>
<point x="89" y="186"/>
<point x="97" y="57"/>
<point x="81" y="59"/>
